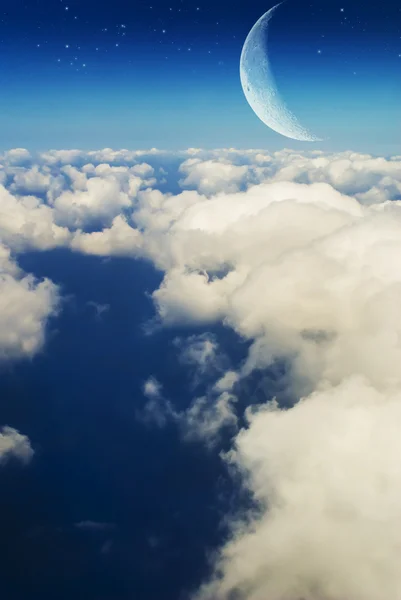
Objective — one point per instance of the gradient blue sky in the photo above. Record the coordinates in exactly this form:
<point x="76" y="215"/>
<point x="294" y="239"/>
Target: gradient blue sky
<point x="164" y="73"/>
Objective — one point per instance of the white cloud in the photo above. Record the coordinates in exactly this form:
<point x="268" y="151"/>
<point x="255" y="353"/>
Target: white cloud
<point x="26" y="222"/>
<point x="25" y="307"/>
<point x="210" y="177"/>
<point x="118" y="240"/>
<point x="31" y="181"/>
<point x="227" y="382"/>
<point x="152" y="388"/>
<point x="299" y="253"/>
<point x="13" y="444"/>
<point x="16" y="156"/>
<point x="102" y="199"/>
<point x="205" y="419"/>
<point x="326" y="477"/>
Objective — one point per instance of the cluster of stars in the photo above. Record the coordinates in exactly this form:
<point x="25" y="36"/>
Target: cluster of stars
<point x="110" y="33"/>
<point x="161" y="30"/>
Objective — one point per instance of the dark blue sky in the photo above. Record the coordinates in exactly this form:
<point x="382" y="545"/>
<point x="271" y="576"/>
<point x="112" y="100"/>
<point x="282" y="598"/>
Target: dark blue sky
<point x="161" y="73"/>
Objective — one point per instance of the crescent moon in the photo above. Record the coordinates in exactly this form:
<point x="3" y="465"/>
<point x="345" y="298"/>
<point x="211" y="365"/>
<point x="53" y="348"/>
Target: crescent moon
<point x="260" y="87"/>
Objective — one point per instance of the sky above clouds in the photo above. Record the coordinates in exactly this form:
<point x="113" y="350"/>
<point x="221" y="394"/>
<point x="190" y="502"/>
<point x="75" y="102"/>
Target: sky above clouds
<point x="166" y="74"/>
<point x="200" y="373"/>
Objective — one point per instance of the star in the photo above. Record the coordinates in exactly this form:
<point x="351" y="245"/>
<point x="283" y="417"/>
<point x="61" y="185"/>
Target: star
<point x="319" y="51"/>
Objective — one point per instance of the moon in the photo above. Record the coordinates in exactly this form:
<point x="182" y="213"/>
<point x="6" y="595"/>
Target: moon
<point x="260" y="88"/>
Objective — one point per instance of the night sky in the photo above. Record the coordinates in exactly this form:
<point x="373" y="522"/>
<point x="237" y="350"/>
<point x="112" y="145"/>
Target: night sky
<point x="166" y="73"/>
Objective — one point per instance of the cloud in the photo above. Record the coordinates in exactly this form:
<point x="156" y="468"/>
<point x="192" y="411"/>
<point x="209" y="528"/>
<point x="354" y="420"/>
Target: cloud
<point x="16" y="156"/>
<point x="26" y="304"/>
<point x="102" y="199"/>
<point x="13" y="444"/>
<point x="205" y="419"/>
<point x="157" y="411"/>
<point x="205" y="416"/>
<point x="94" y="526"/>
<point x="26" y="222"/>
<point x="227" y="382"/>
<point x="327" y="484"/>
<point x="119" y="240"/>
<point x="199" y="350"/>
<point x="210" y="177"/>
<point x="31" y="181"/>
<point x="99" y="309"/>
<point x="152" y="388"/>
<point x="298" y="253"/>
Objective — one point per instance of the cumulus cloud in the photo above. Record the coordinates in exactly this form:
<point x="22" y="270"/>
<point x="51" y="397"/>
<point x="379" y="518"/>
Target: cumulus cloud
<point x="14" y="445"/>
<point x="212" y="176"/>
<point x="325" y="476"/>
<point x="299" y="253"/>
<point x="102" y="199"/>
<point x="26" y="222"/>
<point x="16" y="156"/>
<point x="25" y="307"/>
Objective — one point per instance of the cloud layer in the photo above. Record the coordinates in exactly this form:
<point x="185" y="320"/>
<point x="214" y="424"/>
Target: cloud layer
<point x="300" y="255"/>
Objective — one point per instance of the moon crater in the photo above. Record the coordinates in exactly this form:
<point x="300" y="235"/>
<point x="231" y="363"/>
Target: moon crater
<point x="260" y="88"/>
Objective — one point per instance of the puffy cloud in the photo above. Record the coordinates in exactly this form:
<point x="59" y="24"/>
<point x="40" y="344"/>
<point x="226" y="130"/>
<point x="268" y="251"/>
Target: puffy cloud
<point x="31" y="181"/>
<point x="212" y="176"/>
<point x="299" y="253"/>
<point x="26" y="222"/>
<point x="102" y="199"/>
<point x="14" y="444"/>
<point x="16" y="156"/>
<point x="326" y="479"/>
<point x="119" y="240"/>
<point x="25" y="307"/>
